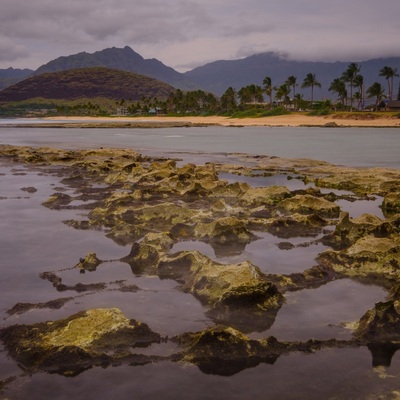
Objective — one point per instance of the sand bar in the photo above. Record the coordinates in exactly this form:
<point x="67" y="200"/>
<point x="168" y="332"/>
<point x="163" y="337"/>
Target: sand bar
<point x="292" y="120"/>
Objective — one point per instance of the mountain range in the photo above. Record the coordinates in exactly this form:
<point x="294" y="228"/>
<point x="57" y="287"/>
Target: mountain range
<point x="214" y="77"/>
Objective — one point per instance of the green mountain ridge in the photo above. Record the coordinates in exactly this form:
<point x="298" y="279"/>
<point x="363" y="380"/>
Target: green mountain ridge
<point x="87" y="83"/>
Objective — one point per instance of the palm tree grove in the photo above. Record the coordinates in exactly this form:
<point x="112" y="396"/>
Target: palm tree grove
<point x="295" y="94"/>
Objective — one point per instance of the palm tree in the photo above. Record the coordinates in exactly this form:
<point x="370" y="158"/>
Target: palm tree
<point x="376" y="90"/>
<point x="282" y="93"/>
<point x="389" y="73"/>
<point x="348" y="76"/>
<point x="359" y="84"/>
<point x="359" y="97"/>
<point x="310" y="81"/>
<point x="268" y="88"/>
<point x="339" y="87"/>
<point x="251" y="94"/>
<point x="292" y="82"/>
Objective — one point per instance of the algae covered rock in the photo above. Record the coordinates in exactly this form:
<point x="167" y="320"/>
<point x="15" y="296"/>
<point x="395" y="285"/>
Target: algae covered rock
<point x="89" y="263"/>
<point x="224" y="230"/>
<point x="141" y="257"/>
<point x="349" y="230"/>
<point x="380" y="323"/>
<point x="93" y="337"/>
<point x="236" y="294"/>
<point x="367" y="256"/>
<point x="221" y="350"/>
<point x="307" y="204"/>
<point x="391" y="202"/>
<point x="269" y="195"/>
<point x="295" y="225"/>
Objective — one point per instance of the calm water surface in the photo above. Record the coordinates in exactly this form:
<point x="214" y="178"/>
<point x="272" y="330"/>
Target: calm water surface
<point x="343" y="146"/>
<point x="34" y="240"/>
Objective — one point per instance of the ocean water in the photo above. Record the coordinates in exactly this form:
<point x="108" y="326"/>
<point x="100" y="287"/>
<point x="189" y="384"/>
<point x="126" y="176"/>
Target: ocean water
<point x="364" y="147"/>
<point x="34" y="240"/>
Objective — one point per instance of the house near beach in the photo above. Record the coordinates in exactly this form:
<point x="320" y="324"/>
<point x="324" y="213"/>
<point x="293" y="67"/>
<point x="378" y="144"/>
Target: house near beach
<point x="393" y="105"/>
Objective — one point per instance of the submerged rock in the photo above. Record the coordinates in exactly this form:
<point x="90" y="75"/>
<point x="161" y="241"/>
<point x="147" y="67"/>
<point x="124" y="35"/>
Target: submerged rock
<point x="89" y="263"/>
<point x="93" y="337"/>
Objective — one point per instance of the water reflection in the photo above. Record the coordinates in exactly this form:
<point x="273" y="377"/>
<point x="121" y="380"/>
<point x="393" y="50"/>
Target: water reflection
<point x="382" y="353"/>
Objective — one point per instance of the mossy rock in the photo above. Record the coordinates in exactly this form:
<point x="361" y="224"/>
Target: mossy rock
<point x="368" y="256"/>
<point x="85" y="339"/>
<point x="270" y="195"/>
<point x="307" y="204"/>
<point x="391" y="202"/>
<point x="89" y="263"/>
<point x="349" y="230"/>
<point x="380" y="323"/>
<point x="225" y="351"/>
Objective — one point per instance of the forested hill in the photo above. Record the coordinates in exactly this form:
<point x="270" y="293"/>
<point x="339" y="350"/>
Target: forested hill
<point x="87" y="83"/>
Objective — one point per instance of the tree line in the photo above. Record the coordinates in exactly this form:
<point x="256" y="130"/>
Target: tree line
<point x="349" y="89"/>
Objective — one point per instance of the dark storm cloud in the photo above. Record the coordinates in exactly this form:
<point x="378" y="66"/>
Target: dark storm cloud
<point x="196" y="31"/>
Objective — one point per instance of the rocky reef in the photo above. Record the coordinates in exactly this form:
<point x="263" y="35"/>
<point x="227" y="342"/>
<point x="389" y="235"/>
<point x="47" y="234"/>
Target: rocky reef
<point x="153" y="204"/>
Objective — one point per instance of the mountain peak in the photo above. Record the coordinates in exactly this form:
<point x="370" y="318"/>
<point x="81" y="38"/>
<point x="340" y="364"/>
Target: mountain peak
<point x="125" y="59"/>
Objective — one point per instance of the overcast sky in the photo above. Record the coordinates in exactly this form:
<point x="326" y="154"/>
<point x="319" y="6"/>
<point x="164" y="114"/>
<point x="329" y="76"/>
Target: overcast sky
<point x="185" y="34"/>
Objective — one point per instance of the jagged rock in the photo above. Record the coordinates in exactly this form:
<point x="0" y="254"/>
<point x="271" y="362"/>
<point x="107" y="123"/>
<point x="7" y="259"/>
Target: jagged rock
<point x="310" y="278"/>
<point x="225" y="351"/>
<point x="142" y="256"/>
<point x="233" y="292"/>
<point x="160" y="241"/>
<point x="291" y="226"/>
<point x="380" y="323"/>
<point x="89" y="263"/>
<point x="348" y="230"/>
<point x="224" y="230"/>
<point x="57" y="201"/>
<point x="93" y="337"/>
<point x="231" y="191"/>
<point x="308" y="204"/>
<point x="367" y="256"/>
<point x="270" y="195"/>
<point x="358" y="180"/>
<point x="391" y="202"/>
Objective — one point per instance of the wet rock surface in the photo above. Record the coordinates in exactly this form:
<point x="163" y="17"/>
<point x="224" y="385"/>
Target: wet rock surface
<point x="153" y="204"/>
<point x="93" y="337"/>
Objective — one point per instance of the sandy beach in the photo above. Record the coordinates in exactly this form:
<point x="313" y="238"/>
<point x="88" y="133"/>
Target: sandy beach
<point x="293" y="120"/>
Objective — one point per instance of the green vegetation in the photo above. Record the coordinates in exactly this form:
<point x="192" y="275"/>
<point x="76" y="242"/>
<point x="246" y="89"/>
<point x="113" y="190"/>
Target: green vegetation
<point x="103" y="91"/>
<point x="258" y="113"/>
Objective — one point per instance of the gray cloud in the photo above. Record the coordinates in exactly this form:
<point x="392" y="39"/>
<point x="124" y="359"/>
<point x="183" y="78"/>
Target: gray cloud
<point x="189" y="33"/>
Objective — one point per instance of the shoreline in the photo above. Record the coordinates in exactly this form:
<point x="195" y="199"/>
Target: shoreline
<point x="290" y="120"/>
